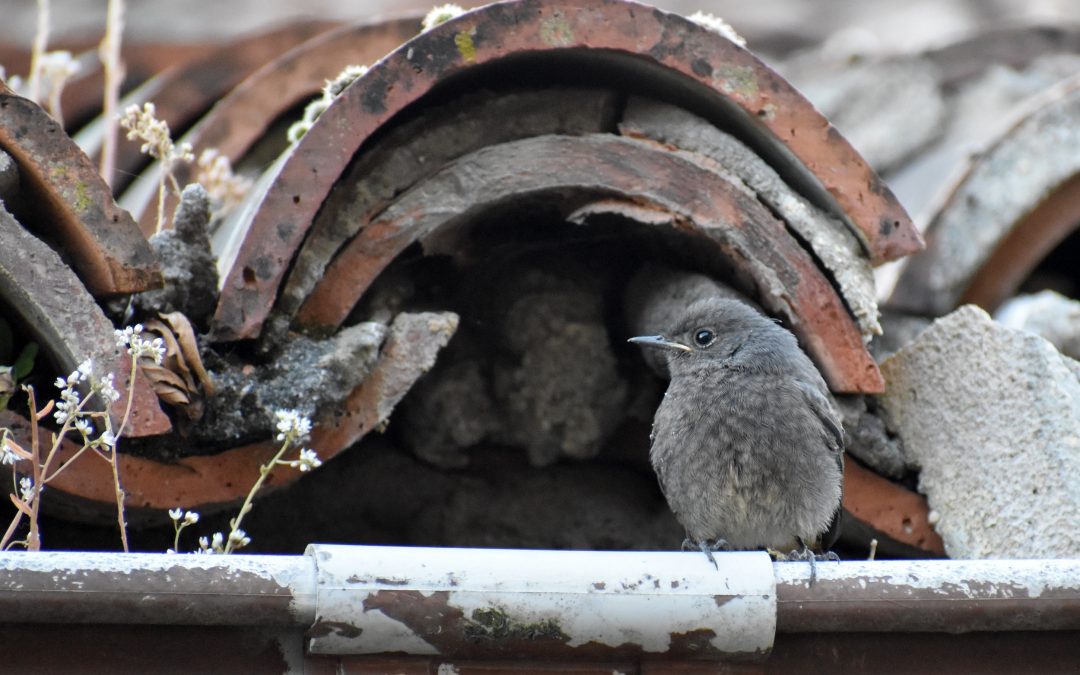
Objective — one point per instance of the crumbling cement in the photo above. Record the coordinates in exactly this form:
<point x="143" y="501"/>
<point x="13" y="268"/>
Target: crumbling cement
<point x="867" y="437"/>
<point x="533" y="368"/>
<point x="307" y="375"/>
<point x="187" y="265"/>
<point x="992" y="417"/>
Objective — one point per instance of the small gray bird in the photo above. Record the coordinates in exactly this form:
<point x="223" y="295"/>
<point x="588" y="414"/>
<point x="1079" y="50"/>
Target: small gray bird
<point x="747" y="444"/>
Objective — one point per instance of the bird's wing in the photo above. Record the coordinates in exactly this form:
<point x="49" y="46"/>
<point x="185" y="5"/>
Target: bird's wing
<point x="834" y="435"/>
<point x="826" y="413"/>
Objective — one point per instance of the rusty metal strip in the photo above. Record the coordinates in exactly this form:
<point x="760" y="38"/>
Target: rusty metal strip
<point x="1015" y="201"/>
<point x="248" y="590"/>
<point x="641" y="42"/>
<point x="955" y="596"/>
<point x="63" y="197"/>
<point x="54" y="307"/>
<point x="731" y="222"/>
<point x="241" y="117"/>
<point x="484" y="602"/>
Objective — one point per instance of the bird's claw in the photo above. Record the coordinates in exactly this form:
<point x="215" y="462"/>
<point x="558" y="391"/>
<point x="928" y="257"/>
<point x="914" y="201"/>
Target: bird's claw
<point x="705" y="547"/>
<point x="804" y="554"/>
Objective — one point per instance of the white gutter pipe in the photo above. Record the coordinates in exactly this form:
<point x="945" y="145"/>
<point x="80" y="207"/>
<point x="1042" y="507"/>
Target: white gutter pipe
<point x="489" y="603"/>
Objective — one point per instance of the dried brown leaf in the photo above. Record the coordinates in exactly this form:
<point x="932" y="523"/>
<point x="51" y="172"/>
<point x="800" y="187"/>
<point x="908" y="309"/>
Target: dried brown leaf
<point x="174" y="358"/>
<point x="189" y="347"/>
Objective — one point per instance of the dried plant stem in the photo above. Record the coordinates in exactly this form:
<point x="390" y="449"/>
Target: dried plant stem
<point x="114" y="461"/>
<point x="41" y="42"/>
<point x="109" y="54"/>
<point x="33" y="540"/>
<point x="264" y="471"/>
<point x="163" y="171"/>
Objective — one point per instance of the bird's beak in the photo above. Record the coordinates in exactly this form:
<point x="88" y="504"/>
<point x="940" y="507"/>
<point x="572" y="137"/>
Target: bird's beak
<point x="659" y="341"/>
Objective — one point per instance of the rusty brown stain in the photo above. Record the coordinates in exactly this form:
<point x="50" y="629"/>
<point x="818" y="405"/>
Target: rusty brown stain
<point x="512" y="28"/>
<point x="491" y="633"/>
<point x="322" y="628"/>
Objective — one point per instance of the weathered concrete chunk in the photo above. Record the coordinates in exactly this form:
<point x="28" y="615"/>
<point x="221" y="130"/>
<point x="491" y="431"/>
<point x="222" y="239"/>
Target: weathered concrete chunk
<point x="992" y="416"/>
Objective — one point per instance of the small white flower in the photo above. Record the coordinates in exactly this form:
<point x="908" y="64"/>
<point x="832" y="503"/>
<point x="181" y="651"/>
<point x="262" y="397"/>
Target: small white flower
<point x="123" y="337"/>
<point x="138" y="346"/>
<point x="7" y="456"/>
<point x="239" y="539"/>
<point x="204" y="544"/>
<point x="217" y="542"/>
<point x="441" y="14"/>
<point x="60" y="383"/>
<point x="86" y="368"/>
<point x="108" y="439"/>
<point x="292" y="426"/>
<point x="308" y="460"/>
<point x="176" y="514"/>
<point x="26" y="488"/>
<point x="67" y="406"/>
<point x="191" y="517"/>
<point x="84" y="427"/>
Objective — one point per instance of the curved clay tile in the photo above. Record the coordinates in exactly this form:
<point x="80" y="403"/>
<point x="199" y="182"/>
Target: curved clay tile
<point x="212" y="481"/>
<point x="245" y="114"/>
<point x="53" y="306"/>
<point x="62" y="197"/>
<point x="690" y="198"/>
<point x="1016" y="201"/>
<point x="636" y="43"/>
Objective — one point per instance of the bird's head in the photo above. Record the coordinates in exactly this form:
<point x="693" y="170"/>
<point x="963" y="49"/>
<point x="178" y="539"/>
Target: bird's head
<point x="710" y="330"/>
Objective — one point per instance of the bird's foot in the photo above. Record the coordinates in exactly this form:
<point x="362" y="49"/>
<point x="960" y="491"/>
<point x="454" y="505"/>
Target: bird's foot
<point x="706" y="547"/>
<point x="804" y="554"/>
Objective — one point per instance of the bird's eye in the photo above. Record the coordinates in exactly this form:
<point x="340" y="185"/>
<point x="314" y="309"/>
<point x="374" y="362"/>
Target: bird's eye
<point x="704" y="337"/>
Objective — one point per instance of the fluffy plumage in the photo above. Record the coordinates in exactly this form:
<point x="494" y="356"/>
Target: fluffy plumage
<point x="747" y="444"/>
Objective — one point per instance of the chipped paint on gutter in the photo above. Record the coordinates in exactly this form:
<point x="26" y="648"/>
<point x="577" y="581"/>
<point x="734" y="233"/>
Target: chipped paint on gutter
<point x="555" y="601"/>
<point x="561" y="606"/>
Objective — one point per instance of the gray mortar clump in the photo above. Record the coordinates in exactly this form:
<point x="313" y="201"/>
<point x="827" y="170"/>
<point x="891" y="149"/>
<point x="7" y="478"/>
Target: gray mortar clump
<point x="992" y="417"/>
<point x="868" y="438"/>
<point x="307" y="375"/>
<point x="450" y="409"/>
<point x="9" y="177"/>
<point x="532" y="368"/>
<point x="557" y="379"/>
<point x="187" y="265"/>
